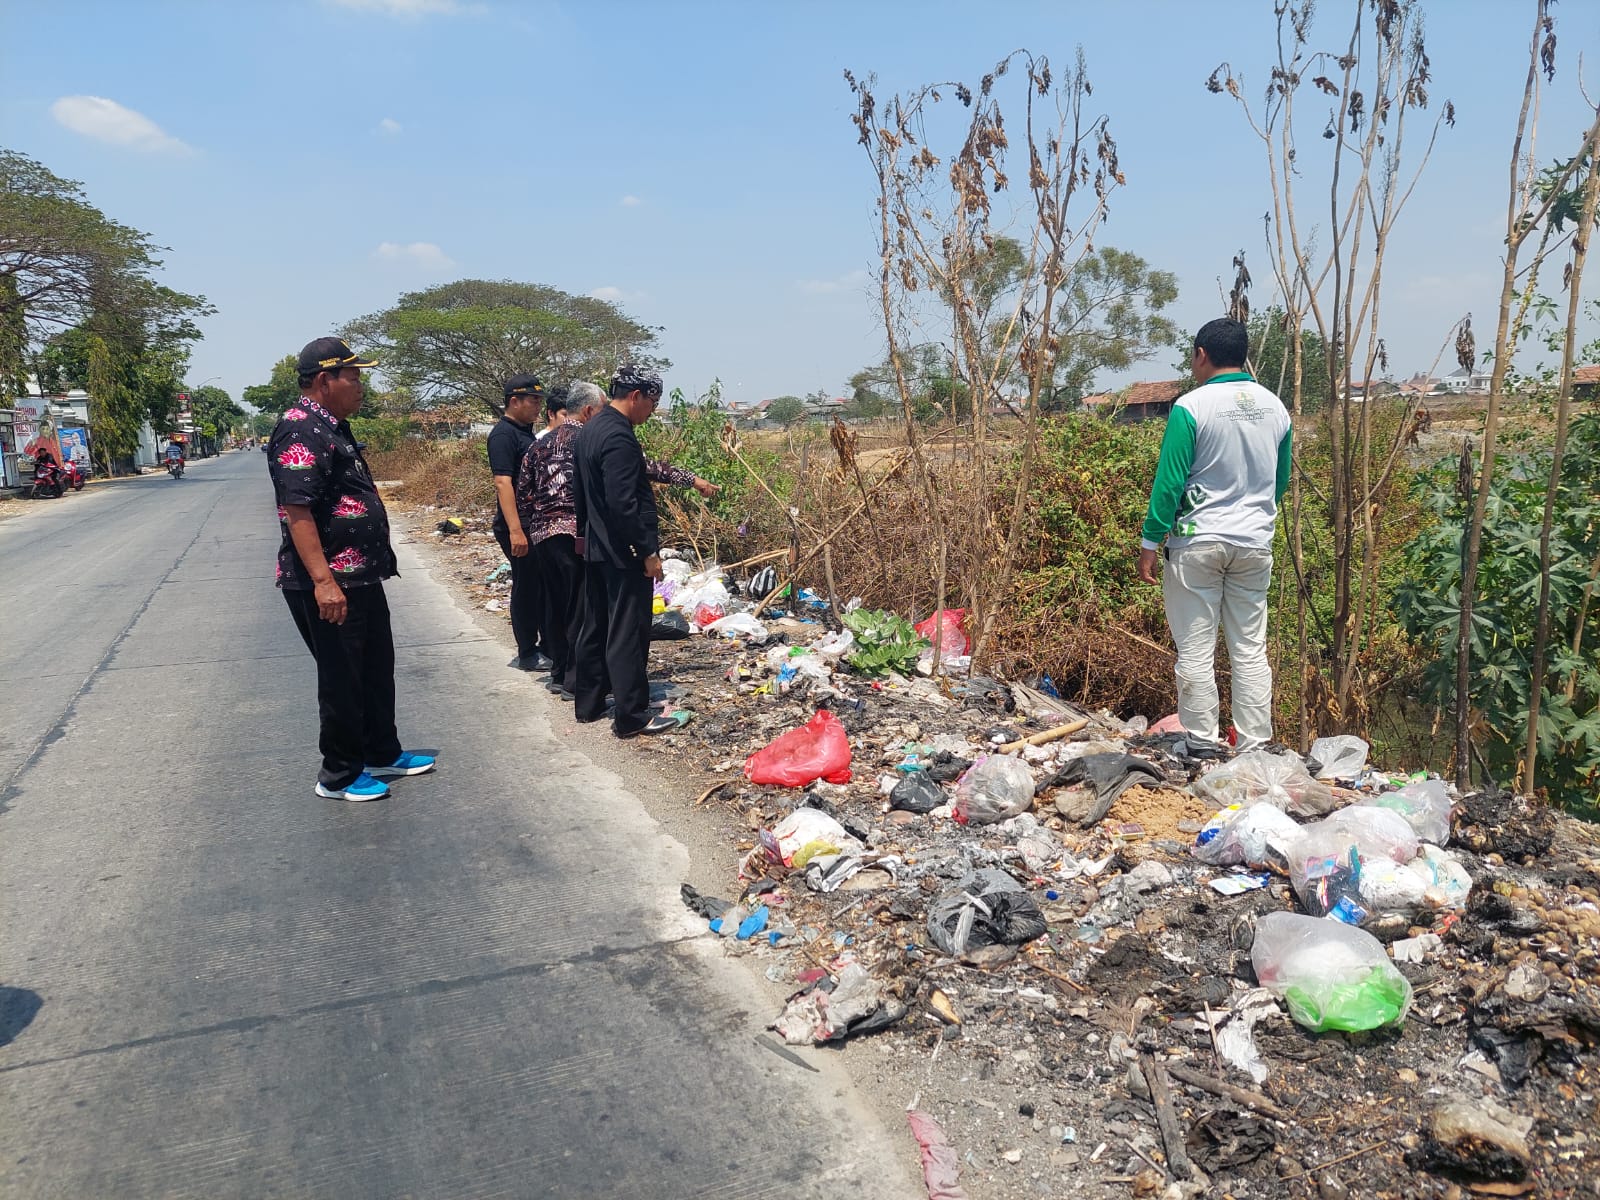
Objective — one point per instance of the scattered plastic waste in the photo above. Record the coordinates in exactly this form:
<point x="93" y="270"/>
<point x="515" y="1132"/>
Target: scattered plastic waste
<point x="941" y="1169"/>
<point x="804" y="834"/>
<point x="741" y="625"/>
<point x="670" y="626"/>
<point x="1109" y="774"/>
<point x="1341" y="757"/>
<point x="1237" y="885"/>
<point x="752" y="925"/>
<point x="917" y="793"/>
<point x="819" y="749"/>
<point x="1330" y="975"/>
<point x="1256" y="777"/>
<point x="1258" y="836"/>
<point x="994" y="788"/>
<point x="1425" y="805"/>
<point x="825" y="1012"/>
<point x="987" y="908"/>
<point x="1346" y="865"/>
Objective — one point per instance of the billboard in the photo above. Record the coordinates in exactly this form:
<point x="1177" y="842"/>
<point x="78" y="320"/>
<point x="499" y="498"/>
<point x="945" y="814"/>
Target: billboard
<point x="74" y="445"/>
<point x="35" y="427"/>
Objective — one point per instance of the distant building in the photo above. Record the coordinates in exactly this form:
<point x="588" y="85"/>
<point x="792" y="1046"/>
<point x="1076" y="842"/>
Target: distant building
<point x="1137" y="402"/>
<point x="1462" y="382"/>
<point x="1586" y="383"/>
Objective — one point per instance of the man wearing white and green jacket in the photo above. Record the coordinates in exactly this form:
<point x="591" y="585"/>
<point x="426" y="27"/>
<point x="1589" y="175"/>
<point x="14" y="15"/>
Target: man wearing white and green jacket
<point x="1224" y="467"/>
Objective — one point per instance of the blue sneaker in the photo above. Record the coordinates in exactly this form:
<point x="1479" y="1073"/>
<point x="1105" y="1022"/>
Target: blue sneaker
<point x="365" y="787"/>
<point x="407" y="764"/>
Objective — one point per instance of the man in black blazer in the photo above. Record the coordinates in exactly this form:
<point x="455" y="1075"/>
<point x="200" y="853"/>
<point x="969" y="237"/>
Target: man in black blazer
<point x="620" y="528"/>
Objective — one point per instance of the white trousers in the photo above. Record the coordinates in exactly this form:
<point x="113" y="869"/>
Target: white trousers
<point x="1208" y="582"/>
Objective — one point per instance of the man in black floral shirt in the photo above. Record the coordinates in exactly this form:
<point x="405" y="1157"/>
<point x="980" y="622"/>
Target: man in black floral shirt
<point x="332" y="562"/>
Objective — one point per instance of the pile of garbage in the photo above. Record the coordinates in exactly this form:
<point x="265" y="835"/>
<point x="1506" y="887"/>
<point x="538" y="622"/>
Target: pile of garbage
<point x="1252" y="974"/>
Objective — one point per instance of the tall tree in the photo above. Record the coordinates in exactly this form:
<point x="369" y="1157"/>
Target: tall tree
<point x="214" y="407"/>
<point x="280" y="391"/>
<point x="462" y="339"/>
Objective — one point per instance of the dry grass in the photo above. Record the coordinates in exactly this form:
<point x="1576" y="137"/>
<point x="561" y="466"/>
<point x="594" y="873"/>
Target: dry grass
<point x="453" y="475"/>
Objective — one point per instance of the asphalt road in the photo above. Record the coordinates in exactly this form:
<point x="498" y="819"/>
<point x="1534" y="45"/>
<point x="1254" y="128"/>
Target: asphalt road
<point x="213" y="983"/>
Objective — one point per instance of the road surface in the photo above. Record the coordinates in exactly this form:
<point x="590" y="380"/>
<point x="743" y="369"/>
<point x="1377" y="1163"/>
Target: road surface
<point x="213" y="983"/>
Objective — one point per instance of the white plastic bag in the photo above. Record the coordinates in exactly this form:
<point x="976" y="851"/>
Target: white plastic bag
<point x="994" y="788"/>
<point x="1331" y="976"/>
<point x="1341" y="757"/>
<point x="834" y="646"/>
<point x="1257" y="836"/>
<point x="739" y="625"/>
<point x="1445" y="881"/>
<point x="675" y="570"/>
<point x="1257" y="777"/>
<point x="804" y="834"/>
<point x="1425" y="805"/>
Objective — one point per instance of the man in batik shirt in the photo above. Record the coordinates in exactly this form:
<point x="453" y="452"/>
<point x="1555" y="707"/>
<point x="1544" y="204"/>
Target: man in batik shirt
<point x="332" y="562"/>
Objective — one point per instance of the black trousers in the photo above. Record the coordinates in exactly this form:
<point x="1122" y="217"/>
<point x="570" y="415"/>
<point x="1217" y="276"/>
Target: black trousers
<point x="561" y="618"/>
<point x="527" y="597"/>
<point x="614" y="647"/>
<point x="355" y="681"/>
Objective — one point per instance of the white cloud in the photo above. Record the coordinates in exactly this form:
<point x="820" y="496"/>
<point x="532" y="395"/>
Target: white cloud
<point x="389" y="126"/>
<point x="426" y="254"/>
<point x="827" y="287"/>
<point x="631" y="202"/>
<point x="409" y="9"/>
<point x="615" y="295"/>
<point x="107" y="121"/>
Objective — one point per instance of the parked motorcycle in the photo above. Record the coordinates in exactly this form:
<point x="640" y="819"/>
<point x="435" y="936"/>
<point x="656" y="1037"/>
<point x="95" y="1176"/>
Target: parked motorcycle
<point x="48" y="482"/>
<point x="73" y="476"/>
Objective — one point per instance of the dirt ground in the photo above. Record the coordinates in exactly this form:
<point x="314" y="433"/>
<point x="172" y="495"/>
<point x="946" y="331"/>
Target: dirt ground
<point x="1036" y="1060"/>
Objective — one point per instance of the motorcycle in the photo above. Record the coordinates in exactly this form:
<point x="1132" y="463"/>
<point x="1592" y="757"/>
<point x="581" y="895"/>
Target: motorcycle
<point x="48" y="481"/>
<point x="73" y="476"/>
<point x="175" y="467"/>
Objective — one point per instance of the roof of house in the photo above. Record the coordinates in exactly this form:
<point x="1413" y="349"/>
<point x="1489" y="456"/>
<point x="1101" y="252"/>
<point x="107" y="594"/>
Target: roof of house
<point x="1159" y="392"/>
<point x="1586" y="375"/>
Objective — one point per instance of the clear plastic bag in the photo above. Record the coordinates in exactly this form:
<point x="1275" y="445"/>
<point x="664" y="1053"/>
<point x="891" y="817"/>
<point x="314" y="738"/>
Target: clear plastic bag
<point x="739" y="625"/>
<point x="804" y="834"/>
<point x="1257" y="777"/>
<point x="1331" y="857"/>
<point x="1425" y="805"/>
<point x="1340" y="757"/>
<point x="834" y="646"/>
<point x="1257" y="836"/>
<point x="1330" y="975"/>
<point x="994" y="788"/>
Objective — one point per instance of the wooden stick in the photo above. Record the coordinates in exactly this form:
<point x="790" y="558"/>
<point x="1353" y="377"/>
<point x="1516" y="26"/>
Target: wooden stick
<point x="1333" y="1162"/>
<point x="1218" y="1087"/>
<point x="711" y="791"/>
<point x="1167" y="1118"/>
<point x="1049" y="735"/>
<point x="750" y="562"/>
<point x="833" y="588"/>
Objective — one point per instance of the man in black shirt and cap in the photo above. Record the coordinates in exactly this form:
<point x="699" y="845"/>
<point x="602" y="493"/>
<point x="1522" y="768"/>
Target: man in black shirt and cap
<point x="617" y="519"/>
<point x="332" y="562"/>
<point x="508" y="442"/>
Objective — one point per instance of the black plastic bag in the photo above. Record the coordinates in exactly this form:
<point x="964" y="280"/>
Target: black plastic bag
<point x="670" y="626"/>
<point x="916" y="793"/>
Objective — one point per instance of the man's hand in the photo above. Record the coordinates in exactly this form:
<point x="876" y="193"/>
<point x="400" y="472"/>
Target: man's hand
<point x="706" y="488"/>
<point x="331" y="604"/>
<point x="1149" y="561"/>
<point x="652" y="566"/>
<point x="519" y="543"/>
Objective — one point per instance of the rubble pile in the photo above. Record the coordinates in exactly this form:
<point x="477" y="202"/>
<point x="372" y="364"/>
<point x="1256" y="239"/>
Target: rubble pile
<point x="1182" y="971"/>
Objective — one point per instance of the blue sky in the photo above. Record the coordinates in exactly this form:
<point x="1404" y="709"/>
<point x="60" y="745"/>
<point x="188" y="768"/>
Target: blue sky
<point x="309" y="160"/>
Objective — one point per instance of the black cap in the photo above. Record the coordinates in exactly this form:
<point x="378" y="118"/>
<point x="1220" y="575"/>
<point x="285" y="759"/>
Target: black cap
<point x="329" y="354"/>
<point x="524" y="385"/>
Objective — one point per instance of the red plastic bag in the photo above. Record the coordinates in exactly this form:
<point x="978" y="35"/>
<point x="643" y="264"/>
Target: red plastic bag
<point x="708" y="613"/>
<point x="952" y="642"/>
<point x="819" y="749"/>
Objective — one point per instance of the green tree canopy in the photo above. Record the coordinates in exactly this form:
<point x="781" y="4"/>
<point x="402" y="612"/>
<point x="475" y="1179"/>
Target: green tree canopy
<point x="80" y="305"/>
<point x="786" y="410"/>
<point x="280" y="391"/>
<point x="463" y="339"/>
<point x="213" y="406"/>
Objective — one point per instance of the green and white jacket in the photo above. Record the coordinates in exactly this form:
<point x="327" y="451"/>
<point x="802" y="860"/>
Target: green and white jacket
<point x="1224" y="466"/>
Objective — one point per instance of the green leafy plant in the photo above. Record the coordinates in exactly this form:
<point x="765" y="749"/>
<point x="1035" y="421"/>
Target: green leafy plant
<point x="885" y="641"/>
<point x="1503" y="613"/>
